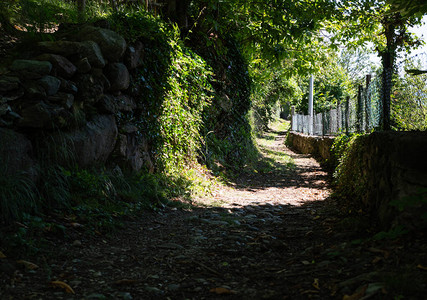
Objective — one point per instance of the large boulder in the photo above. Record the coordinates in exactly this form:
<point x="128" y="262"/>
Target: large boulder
<point x="50" y="84"/>
<point x="64" y="48"/>
<point x="16" y="154"/>
<point x="91" y="50"/>
<point x="83" y="65"/>
<point x="118" y="75"/>
<point x="114" y="104"/>
<point x="64" y="99"/>
<point x="9" y="83"/>
<point x="131" y="151"/>
<point x="31" y="69"/>
<point x="111" y="43"/>
<point x="134" y="56"/>
<point x="91" y="87"/>
<point x="93" y="143"/>
<point x="33" y="90"/>
<point x="61" y="66"/>
<point x="42" y="115"/>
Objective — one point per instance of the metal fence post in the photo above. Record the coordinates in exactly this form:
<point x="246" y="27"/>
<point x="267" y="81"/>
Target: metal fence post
<point x="368" y="103"/>
<point x="292" y="116"/>
<point x="310" y="106"/>
<point x="347" y="111"/>
<point x="359" y="110"/>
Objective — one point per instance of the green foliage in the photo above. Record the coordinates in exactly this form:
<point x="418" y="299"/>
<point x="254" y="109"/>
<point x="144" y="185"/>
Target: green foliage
<point x="38" y="16"/>
<point x="271" y="90"/>
<point x="349" y="177"/>
<point x="331" y="85"/>
<point x="175" y="87"/>
<point x="392" y="234"/>
<point x="271" y="30"/>
<point x="409" y="100"/>
<point x="18" y="194"/>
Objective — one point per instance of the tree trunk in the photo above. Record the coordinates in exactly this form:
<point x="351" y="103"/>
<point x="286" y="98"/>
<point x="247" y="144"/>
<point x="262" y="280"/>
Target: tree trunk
<point x="81" y="6"/>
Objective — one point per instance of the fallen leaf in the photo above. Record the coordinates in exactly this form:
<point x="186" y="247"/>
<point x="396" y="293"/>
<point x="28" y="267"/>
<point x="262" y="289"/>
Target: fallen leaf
<point x="62" y="285"/>
<point x="376" y="250"/>
<point x="75" y="225"/>
<point x="315" y="283"/>
<point x="28" y="265"/>
<point x="2" y="255"/>
<point x="357" y="295"/>
<point x="222" y="291"/>
<point x="422" y="267"/>
<point x="376" y="260"/>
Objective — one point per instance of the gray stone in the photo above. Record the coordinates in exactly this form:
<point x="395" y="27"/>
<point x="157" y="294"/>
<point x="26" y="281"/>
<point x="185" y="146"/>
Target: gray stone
<point x="64" y="48"/>
<point x="50" y="84"/>
<point x="13" y="115"/>
<point x="125" y="103"/>
<point x="94" y="142"/>
<point x="34" y="91"/>
<point x="91" y="88"/>
<point x="68" y="87"/>
<point x="107" y="104"/>
<point x="99" y="74"/>
<point x="91" y="50"/>
<point x="66" y="100"/>
<point x="83" y="66"/>
<point x="61" y="65"/>
<point x="36" y="116"/>
<point x="31" y="68"/>
<point x="133" y="56"/>
<point x="8" y="83"/>
<point x="16" y="152"/>
<point x="128" y="128"/>
<point x="4" y="109"/>
<point x="131" y="152"/>
<point x="118" y="75"/>
<point x="111" y="43"/>
<point x="12" y="95"/>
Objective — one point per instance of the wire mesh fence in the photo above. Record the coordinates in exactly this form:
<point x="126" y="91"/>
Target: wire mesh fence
<point x="362" y="113"/>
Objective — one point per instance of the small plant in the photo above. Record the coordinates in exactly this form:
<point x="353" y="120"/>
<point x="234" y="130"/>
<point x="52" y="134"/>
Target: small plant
<point x="18" y="195"/>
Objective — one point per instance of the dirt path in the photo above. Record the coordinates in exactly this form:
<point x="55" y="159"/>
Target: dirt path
<point x="273" y="237"/>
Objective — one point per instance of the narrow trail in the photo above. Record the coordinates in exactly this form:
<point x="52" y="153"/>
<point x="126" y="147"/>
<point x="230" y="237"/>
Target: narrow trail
<point x="272" y="237"/>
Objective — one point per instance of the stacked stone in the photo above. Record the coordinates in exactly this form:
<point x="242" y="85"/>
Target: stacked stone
<point x="85" y="77"/>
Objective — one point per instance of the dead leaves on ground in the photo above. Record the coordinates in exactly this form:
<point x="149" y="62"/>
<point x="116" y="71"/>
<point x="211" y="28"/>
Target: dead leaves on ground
<point x="68" y="289"/>
<point x="28" y="265"/>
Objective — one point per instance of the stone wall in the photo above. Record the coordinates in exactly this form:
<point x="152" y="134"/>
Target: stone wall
<point x="72" y="91"/>
<point x="381" y="167"/>
<point x="317" y="146"/>
<point x="394" y="167"/>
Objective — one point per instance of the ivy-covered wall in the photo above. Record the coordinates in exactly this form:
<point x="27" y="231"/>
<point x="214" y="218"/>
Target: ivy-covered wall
<point x="382" y="174"/>
<point x="385" y="175"/>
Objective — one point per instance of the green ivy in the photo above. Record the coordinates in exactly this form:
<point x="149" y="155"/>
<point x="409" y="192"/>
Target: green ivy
<point x="172" y="88"/>
<point x="349" y="176"/>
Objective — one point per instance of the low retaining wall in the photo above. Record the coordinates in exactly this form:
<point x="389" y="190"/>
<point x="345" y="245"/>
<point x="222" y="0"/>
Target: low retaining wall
<point x="393" y="167"/>
<point x="380" y="168"/>
<point x="317" y="146"/>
